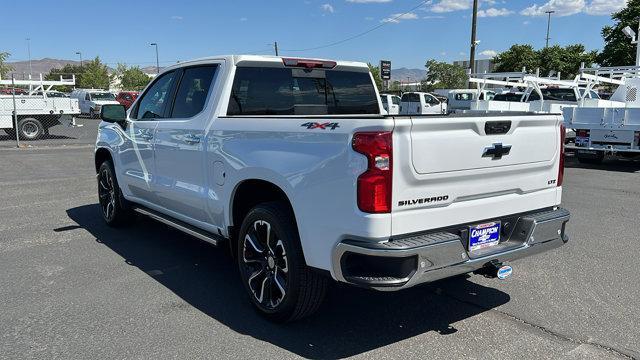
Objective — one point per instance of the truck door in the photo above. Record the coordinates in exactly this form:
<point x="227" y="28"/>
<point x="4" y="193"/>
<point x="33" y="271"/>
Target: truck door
<point x="137" y="152"/>
<point x="180" y="147"/>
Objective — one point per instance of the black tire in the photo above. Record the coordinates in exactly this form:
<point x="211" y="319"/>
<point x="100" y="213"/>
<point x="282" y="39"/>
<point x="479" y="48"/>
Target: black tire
<point x="113" y="206"/>
<point x="11" y="133"/>
<point x="272" y="268"/>
<point x="30" y="129"/>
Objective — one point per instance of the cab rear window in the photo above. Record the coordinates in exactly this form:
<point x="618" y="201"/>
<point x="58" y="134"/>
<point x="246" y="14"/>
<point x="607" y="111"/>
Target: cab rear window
<point x="286" y="91"/>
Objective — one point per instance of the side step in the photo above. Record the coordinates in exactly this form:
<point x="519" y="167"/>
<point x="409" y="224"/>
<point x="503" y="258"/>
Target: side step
<point x="180" y="225"/>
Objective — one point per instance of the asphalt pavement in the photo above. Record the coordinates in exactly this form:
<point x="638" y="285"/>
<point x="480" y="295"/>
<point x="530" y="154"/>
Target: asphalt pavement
<point x="71" y="287"/>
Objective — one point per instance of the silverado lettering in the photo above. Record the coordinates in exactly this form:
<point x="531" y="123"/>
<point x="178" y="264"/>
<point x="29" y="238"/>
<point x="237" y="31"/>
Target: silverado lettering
<point x="423" y="200"/>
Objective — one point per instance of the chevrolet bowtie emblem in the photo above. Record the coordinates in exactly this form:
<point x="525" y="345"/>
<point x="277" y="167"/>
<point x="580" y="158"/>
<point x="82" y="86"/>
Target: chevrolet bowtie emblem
<point x="496" y="151"/>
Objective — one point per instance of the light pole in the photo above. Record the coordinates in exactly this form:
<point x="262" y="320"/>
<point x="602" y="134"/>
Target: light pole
<point x="549" y="12"/>
<point x="474" y="43"/>
<point x="628" y="31"/>
<point x="80" y="54"/>
<point x="157" y="61"/>
<point x="29" y="51"/>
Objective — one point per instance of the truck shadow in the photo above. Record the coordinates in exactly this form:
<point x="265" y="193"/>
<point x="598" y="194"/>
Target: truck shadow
<point x="617" y="165"/>
<point x="350" y="322"/>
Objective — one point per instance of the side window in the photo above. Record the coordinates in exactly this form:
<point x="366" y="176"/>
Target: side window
<point x="154" y="101"/>
<point x="396" y="100"/>
<point x="430" y="100"/>
<point x="411" y="97"/>
<point x="86" y="97"/>
<point x="193" y="90"/>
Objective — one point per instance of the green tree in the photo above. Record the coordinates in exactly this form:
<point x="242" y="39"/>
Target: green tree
<point x="550" y="60"/>
<point x="566" y="60"/>
<point x="95" y="74"/>
<point x="132" y="78"/>
<point x="517" y="57"/>
<point x="618" y="50"/>
<point x="441" y="75"/>
<point x="375" y="71"/>
<point x="4" y="67"/>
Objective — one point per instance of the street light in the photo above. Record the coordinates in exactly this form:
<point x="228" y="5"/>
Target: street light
<point x="628" y="31"/>
<point x="29" y="51"/>
<point x="157" y="61"/>
<point x="79" y="53"/>
<point x="549" y="12"/>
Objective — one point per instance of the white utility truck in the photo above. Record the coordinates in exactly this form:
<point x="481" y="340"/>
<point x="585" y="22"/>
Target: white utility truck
<point x="607" y="127"/>
<point x="36" y="112"/>
<point x="421" y="103"/>
<point x="291" y="164"/>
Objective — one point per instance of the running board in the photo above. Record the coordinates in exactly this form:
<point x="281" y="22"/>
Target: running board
<point x="180" y="225"/>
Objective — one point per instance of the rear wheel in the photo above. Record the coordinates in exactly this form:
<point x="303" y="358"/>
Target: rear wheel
<point x="113" y="206"/>
<point x="280" y="285"/>
<point x="11" y="133"/>
<point x="30" y="129"/>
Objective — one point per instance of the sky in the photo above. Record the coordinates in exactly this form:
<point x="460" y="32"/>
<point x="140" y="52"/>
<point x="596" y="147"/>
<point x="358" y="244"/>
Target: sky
<point x="407" y="32"/>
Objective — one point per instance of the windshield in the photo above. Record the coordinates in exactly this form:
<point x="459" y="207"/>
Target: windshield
<point x="102" y="96"/>
<point x="555" y="94"/>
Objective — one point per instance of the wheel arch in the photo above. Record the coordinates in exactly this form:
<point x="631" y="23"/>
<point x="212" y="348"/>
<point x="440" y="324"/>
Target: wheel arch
<point x="101" y="155"/>
<point x="247" y="194"/>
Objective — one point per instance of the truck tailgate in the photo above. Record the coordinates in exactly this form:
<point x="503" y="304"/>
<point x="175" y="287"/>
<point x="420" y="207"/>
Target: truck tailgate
<point x="455" y="169"/>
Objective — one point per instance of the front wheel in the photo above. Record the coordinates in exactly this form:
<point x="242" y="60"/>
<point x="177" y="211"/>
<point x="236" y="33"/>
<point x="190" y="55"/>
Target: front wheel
<point x="272" y="267"/>
<point x="113" y="206"/>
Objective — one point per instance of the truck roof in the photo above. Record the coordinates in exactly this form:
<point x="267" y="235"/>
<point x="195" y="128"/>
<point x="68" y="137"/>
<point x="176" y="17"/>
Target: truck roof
<point x="267" y="59"/>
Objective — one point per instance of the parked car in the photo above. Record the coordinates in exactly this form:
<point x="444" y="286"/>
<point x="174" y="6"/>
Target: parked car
<point x="390" y="103"/>
<point x="127" y="98"/>
<point x="289" y="163"/>
<point x="421" y="103"/>
<point x="460" y="99"/>
<point x="91" y="100"/>
<point x="53" y="94"/>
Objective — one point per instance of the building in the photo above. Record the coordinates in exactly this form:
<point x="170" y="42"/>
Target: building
<point x="482" y="66"/>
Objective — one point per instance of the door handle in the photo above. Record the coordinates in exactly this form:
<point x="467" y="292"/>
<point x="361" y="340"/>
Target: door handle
<point x="191" y="139"/>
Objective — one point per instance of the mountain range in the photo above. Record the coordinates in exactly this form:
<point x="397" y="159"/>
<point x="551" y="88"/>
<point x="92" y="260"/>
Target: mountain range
<point x="43" y="66"/>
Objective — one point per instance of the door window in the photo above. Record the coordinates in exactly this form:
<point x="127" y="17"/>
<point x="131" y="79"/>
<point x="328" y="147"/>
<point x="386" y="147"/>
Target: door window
<point x="396" y="100"/>
<point x="154" y="102"/>
<point x="193" y="90"/>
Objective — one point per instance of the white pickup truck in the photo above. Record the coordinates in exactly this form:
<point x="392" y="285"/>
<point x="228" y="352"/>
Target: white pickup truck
<point x="290" y="162"/>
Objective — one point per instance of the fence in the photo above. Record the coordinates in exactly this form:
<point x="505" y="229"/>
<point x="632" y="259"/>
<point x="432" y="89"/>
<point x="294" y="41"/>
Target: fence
<point x="32" y="114"/>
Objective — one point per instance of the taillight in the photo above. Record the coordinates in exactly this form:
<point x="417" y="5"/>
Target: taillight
<point x="374" y="185"/>
<point x="561" y="167"/>
<point x="582" y="133"/>
<point x="636" y="138"/>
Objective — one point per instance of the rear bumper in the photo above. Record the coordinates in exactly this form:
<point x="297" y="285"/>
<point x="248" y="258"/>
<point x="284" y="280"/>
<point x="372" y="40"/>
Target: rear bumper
<point x="401" y="263"/>
<point x="606" y="149"/>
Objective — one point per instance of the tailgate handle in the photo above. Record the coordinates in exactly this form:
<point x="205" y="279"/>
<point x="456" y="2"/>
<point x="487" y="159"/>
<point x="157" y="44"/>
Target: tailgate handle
<point x="497" y="127"/>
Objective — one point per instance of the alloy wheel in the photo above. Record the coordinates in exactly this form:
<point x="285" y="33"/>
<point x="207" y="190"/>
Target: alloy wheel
<point x="106" y="193"/>
<point x="265" y="264"/>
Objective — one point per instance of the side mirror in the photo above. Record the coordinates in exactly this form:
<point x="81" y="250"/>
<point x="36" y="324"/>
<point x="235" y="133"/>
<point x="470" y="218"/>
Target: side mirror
<point x="113" y="113"/>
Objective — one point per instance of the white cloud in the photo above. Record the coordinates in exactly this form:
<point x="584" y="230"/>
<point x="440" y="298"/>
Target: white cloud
<point x="445" y="6"/>
<point x="396" y="18"/>
<point x="526" y="22"/>
<point x="243" y="19"/>
<point x="176" y="17"/>
<point x="572" y="7"/>
<point x="489" y="53"/>
<point x="328" y="8"/>
<point x="369" y="1"/>
<point x="433" y="17"/>
<point x="494" y="12"/>
<point x="369" y="18"/>
<point x="604" y="7"/>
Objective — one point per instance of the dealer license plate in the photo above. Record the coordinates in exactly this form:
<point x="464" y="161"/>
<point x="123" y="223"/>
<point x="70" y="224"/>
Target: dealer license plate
<point x="485" y="235"/>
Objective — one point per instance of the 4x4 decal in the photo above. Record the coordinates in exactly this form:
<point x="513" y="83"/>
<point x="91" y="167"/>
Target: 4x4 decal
<point x="322" y="126"/>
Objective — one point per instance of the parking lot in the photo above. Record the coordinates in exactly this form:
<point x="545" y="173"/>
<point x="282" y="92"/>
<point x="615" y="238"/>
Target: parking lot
<point x="71" y="287"/>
